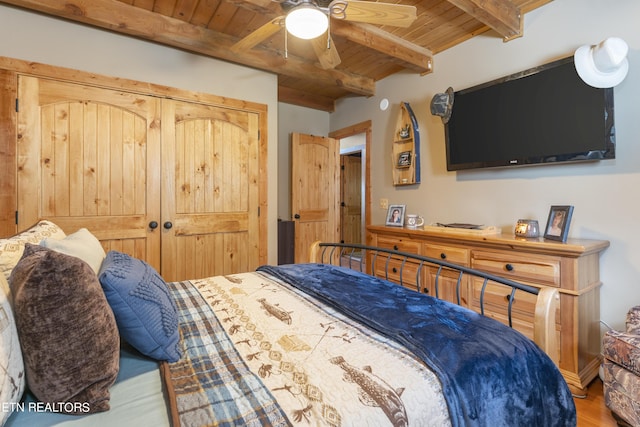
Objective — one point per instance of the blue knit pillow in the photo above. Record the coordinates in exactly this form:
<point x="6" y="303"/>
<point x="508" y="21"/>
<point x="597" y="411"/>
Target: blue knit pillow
<point x="144" y="310"/>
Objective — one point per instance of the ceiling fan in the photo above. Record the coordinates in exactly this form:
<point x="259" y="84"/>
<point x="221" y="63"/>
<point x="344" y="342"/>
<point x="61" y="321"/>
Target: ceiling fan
<point x="309" y="19"/>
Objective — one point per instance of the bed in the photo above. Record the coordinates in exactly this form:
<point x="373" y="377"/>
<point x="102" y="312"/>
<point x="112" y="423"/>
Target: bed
<point x="323" y="344"/>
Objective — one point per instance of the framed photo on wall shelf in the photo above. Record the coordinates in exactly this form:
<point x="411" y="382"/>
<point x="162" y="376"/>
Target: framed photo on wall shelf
<point x="395" y="215"/>
<point x="404" y="160"/>
<point x="558" y="223"/>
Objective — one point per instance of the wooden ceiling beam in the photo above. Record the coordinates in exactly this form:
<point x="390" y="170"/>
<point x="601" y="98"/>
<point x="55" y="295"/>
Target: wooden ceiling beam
<point x="122" y="18"/>
<point x="289" y="95"/>
<point x="501" y="15"/>
<point x="409" y="55"/>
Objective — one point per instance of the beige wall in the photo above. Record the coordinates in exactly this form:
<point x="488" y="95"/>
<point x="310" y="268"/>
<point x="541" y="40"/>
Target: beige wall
<point x="606" y="195"/>
<point x="33" y="37"/>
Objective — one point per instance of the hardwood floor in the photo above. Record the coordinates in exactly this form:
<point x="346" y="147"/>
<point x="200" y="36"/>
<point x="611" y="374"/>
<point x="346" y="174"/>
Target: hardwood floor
<point x="591" y="410"/>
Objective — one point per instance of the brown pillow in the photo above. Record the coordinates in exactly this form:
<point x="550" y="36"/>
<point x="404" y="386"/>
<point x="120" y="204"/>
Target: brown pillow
<point x="68" y="334"/>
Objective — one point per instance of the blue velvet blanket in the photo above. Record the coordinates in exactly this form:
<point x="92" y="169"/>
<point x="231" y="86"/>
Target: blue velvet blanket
<point x="491" y="375"/>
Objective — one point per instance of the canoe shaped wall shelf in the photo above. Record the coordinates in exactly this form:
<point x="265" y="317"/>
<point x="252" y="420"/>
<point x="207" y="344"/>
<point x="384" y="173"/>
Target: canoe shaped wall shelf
<point x="405" y="150"/>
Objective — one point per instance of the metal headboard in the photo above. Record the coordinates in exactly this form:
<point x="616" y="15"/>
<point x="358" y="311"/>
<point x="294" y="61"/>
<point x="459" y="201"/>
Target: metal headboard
<point x="370" y="257"/>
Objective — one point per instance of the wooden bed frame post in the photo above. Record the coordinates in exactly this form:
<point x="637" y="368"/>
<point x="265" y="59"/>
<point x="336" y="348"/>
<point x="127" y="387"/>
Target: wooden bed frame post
<point x="314" y="252"/>
<point x="544" y="325"/>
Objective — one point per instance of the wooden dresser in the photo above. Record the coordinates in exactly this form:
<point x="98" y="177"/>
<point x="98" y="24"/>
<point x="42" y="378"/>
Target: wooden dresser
<point x="573" y="267"/>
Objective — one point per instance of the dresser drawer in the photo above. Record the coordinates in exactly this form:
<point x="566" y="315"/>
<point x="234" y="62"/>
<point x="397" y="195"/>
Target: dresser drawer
<point x="400" y="244"/>
<point x="543" y="270"/>
<point x="392" y="269"/>
<point x="496" y="300"/>
<point x="496" y="305"/>
<point x="451" y="254"/>
<point x="448" y="285"/>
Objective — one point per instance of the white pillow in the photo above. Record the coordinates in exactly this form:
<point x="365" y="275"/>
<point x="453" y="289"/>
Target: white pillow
<point x="11" y="249"/>
<point x="12" y="378"/>
<point x="81" y="244"/>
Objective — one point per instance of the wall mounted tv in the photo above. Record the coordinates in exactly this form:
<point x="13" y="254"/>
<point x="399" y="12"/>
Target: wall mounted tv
<point x="543" y="115"/>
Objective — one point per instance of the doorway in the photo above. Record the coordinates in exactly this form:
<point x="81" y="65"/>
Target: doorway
<point x="351" y="195"/>
<point x="355" y="182"/>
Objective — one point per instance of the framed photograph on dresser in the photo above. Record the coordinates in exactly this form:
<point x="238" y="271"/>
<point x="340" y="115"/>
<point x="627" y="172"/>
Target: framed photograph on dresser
<point x="395" y="215"/>
<point x="558" y="223"/>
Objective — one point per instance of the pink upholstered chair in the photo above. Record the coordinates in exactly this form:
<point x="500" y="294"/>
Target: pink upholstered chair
<point x="622" y="371"/>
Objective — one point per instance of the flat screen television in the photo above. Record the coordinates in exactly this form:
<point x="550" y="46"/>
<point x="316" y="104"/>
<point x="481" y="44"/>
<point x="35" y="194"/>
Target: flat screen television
<point x="544" y="115"/>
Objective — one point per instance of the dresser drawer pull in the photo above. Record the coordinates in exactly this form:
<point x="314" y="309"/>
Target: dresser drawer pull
<point x="509" y="267"/>
<point x="443" y="255"/>
<point x="395" y="270"/>
<point x="395" y="247"/>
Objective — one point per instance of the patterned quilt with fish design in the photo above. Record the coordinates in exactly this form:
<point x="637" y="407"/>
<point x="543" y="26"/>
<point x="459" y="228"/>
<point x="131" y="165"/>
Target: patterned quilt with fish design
<point x="259" y="352"/>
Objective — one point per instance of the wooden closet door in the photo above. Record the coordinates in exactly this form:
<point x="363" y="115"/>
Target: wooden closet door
<point x="210" y="190"/>
<point x="90" y="157"/>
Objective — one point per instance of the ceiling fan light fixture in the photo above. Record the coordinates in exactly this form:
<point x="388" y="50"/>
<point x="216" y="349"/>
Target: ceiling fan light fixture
<point x="306" y="22"/>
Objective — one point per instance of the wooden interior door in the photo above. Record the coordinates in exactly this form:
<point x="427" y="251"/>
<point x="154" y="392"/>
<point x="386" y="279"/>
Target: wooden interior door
<point x="351" y="196"/>
<point x="210" y="190"/>
<point x="315" y="191"/>
<point x="89" y="157"/>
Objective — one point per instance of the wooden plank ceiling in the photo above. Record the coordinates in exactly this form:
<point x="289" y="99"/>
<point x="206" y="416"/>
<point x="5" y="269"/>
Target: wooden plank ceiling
<point x="367" y="52"/>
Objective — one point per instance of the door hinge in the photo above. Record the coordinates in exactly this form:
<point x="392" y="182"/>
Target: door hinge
<point x="17" y="105"/>
<point x="16" y="217"/>
<point x="258" y="210"/>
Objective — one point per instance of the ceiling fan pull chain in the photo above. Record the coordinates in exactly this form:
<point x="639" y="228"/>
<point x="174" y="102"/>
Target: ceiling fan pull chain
<point x="286" y="47"/>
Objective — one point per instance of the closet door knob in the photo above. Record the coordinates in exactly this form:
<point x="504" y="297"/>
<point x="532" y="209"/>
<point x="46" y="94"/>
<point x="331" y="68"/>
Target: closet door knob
<point x="153" y="225"/>
<point x="167" y="225"/>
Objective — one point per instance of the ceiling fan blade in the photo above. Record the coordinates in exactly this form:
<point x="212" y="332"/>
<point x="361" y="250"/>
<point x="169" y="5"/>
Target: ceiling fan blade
<point x="326" y="52"/>
<point x="259" y="35"/>
<point x="398" y="15"/>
